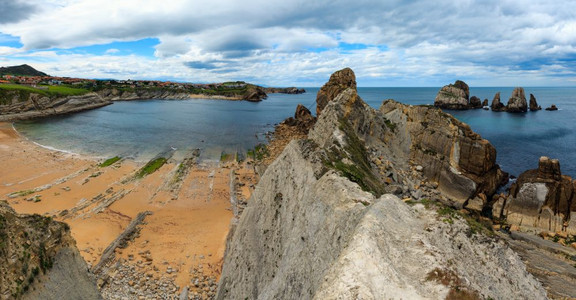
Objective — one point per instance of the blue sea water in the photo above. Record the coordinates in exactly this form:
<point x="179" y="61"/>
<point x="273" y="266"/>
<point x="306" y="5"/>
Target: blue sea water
<point x="142" y="129"/>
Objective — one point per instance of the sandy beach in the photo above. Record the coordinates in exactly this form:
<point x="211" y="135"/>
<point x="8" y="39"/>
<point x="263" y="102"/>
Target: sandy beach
<point x="182" y="238"/>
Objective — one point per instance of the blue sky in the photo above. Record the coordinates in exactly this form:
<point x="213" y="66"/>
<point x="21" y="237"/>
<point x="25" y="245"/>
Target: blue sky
<point x="296" y="42"/>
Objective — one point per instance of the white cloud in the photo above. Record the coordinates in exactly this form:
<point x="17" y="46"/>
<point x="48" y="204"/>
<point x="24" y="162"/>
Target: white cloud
<point x="406" y="42"/>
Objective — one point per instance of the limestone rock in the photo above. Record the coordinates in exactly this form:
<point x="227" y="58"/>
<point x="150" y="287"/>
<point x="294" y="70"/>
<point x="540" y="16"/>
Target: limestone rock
<point x="339" y="81"/>
<point x="552" y="107"/>
<point x="475" y="102"/>
<point x="497" y="104"/>
<point x="534" y="104"/>
<point x="543" y="198"/>
<point x="485" y="102"/>
<point x="254" y="94"/>
<point x="453" y="96"/>
<point x="517" y="102"/>
<point x="319" y="225"/>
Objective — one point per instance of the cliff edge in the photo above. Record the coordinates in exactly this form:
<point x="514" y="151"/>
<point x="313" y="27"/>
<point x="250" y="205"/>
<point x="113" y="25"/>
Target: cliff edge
<point x="323" y="222"/>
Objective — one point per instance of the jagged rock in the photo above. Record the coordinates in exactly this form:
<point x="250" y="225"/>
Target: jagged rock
<point x="552" y="107"/>
<point x="497" y="104"/>
<point x="543" y="198"/>
<point x="39" y="259"/>
<point x="339" y="81"/>
<point x="485" y="102"/>
<point x="453" y="96"/>
<point x="475" y="102"/>
<point x="318" y="225"/>
<point x="533" y="104"/>
<point x="517" y="102"/>
<point x="254" y="94"/>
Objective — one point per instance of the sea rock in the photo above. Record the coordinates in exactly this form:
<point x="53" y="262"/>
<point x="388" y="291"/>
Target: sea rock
<point x="543" y="198"/>
<point x="497" y="104"/>
<point x="453" y="96"/>
<point x="485" y="102"/>
<point x="339" y="81"/>
<point x="475" y="102"/>
<point x="319" y="225"/>
<point x="534" y="104"/>
<point x="302" y="118"/>
<point x="254" y="94"/>
<point x="552" y="107"/>
<point x="288" y="90"/>
<point x="517" y="102"/>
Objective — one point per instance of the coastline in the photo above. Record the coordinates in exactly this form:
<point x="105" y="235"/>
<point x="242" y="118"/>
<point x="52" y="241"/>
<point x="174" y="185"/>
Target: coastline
<point x="183" y="239"/>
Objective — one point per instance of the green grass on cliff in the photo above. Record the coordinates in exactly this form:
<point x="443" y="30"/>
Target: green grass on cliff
<point x="44" y="90"/>
<point x="110" y="161"/>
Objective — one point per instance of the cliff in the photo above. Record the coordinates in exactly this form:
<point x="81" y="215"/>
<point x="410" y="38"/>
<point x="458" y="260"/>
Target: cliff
<point x="322" y="222"/>
<point x="21" y="106"/>
<point x="39" y="260"/>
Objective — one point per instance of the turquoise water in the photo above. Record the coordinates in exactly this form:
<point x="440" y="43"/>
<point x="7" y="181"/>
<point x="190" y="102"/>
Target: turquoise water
<point x="142" y="129"/>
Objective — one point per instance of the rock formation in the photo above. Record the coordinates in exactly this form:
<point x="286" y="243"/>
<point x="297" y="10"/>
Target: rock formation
<point x="453" y="96"/>
<point x="39" y="260"/>
<point x="288" y="90"/>
<point x="552" y="107"/>
<point x="475" y="102"/>
<point x="485" y="102"/>
<point x="320" y="224"/>
<point x="533" y="104"/>
<point x="496" y="104"/>
<point x="542" y="198"/>
<point x="339" y="81"/>
<point x="14" y="107"/>
<point x="254" y="94"/>
<point x="517" y="102"/>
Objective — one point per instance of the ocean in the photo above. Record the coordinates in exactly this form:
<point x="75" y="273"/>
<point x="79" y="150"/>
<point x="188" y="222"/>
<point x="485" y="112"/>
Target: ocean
<point x="142" y="129"/>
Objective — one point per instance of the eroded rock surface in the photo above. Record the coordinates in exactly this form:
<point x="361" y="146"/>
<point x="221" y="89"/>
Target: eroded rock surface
<point x="321" y="224"/>
<point x="517" y="102"/>
<point x="497" y="104"/>
<point x="453" y="96"/>
<point x="543" y="198"/>
<point x="339" y="81"/>
<point x="534" y="104"/>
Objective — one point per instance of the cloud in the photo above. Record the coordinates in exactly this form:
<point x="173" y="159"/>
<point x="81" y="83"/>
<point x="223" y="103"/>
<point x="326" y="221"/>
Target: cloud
<point x="387" y="42"/>
<point x="112" y="51"/>
<point x="12" y="11"/>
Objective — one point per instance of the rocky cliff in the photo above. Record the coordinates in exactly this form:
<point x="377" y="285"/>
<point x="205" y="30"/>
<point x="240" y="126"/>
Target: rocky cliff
<point x="39" y="260"/>
<point x="541" y="198"/>
<point x="339" y="81"/>
<point x="288" y="90"/>
<point x="31" y="105"/>
<point x="322" y="224"/>
<point x="453" y="96"/>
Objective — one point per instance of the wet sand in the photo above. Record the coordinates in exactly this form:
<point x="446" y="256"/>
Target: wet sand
<point x="185" y="233"/>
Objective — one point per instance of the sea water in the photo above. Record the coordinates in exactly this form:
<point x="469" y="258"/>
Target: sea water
<point x="142" y="129"/>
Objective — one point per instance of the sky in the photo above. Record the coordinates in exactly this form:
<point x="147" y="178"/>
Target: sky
<point x="296" y="42"/>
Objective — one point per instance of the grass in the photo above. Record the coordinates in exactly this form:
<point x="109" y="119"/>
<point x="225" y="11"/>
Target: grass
<point x="46" y="90"/>
<point x="110" y="161"/>
<point x="151" y="167"/>
<point x="259" y="152"/>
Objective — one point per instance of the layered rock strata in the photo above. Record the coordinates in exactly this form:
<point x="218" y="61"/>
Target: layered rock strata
<point x="321" y="225"/>
<point x="517" y="102"/>
<point x="453" y="96"/>
<point x="39" y="260"/>
<point x="339" y="81"/>
<point x="541" y="198"/>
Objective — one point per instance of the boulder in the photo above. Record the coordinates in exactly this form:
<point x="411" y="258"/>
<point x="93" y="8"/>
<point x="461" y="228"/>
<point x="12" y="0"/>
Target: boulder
<point x="497" y="104"/>
<point x="453" y="96"/>
<point x="534" y="104"/>
<point x="339" y="81"/>
<point x="552" y="107"/>
<point x="543" y="198"/>
<point x="517" y="102"/>
<point x="475" y="102"/>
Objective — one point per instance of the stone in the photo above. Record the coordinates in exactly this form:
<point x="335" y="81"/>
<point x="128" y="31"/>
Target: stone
<point x="453" y="96"/>
<point x="517" y="102"/>
<point x="475" y="102"/>
<point x="497" y="104"/>
<point x="534" y="104"/>
<point x="485" y="102"/>
<point x="339" y="81"/>
<point x="552" y="107"/>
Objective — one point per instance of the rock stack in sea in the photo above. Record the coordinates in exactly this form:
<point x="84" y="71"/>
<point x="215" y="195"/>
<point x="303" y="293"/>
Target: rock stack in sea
<point x="534" y="104"/>
<point x="517" y="102"/>
<point x="453" y="96"/>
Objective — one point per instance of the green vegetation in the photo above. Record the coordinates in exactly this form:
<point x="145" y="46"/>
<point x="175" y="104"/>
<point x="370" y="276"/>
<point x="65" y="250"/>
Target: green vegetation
<point x="45" y="90"/>
<point x="110" y="161"/>
<point x="20" y="193"/>
<point x="259" y="152"/>
<point x="151" y="167"/>
<point x="359" y="169"/>
<point x="390" y="125"/>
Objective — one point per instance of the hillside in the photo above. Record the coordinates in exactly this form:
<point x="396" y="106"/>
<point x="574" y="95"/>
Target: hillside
<point x="22" y="70"/>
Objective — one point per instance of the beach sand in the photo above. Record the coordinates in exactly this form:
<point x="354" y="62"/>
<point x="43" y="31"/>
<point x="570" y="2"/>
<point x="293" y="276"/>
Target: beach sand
<point x="185" y="234"/>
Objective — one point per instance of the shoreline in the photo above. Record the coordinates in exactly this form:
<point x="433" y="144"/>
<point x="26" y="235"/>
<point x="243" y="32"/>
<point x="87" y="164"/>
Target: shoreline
<point x="182" y="241"/>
